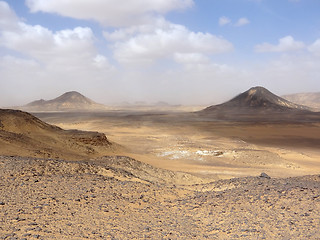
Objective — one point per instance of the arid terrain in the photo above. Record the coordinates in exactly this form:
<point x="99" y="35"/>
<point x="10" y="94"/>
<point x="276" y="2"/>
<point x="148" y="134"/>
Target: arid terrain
<point x="246" y="169"/>
<point x="54" y="199"/>
<point x="252" y="133"/>
<point x="216" y="148"/>
<point x="308" y="99"/>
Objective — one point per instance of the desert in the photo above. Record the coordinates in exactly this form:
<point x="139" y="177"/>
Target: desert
<point x="162" y="174"/>
<point x="159" y="119"/>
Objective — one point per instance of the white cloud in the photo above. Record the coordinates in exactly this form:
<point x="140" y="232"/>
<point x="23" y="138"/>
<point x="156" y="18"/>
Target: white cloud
<point x="241" y="22"/>
<point x="125" y="33"/>
<point x="284" y="45"/>
<point x="70" y="46"/>
<point x="65" y="48"/>
<point x="148" y="43"/>
<point x="8" y="19"/>
<point x="224" y="21"/>
<point x="227" y="21"/>
<point x="144" y="40"/>
<point x="110" y="12"/>
<point x="191" y="58"/>
<point x="315" y="48"/>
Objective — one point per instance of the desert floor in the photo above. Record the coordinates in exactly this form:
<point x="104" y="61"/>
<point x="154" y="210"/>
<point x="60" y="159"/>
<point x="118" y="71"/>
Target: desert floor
<point x="216" y="149"/>
<point x="193" y="178"/>
<point x="58" y="199"/>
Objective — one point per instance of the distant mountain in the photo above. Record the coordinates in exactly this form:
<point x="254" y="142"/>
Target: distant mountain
<point x="308" y="99"/>
<point x="162" y="104"/>
<point x="69" y="101"/>
<point x="258" y="103"/>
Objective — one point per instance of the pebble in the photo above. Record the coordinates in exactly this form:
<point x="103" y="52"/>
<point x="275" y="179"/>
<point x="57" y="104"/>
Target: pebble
<point x="264" y="175"/>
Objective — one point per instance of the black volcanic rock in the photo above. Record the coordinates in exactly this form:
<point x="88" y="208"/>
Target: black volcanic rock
<point x="258" y="98"/>
<point x="259" y="104"/>
<point x="69" y="101"/>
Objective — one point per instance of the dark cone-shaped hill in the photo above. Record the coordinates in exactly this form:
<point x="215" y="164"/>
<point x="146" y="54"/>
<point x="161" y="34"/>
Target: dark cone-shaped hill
<point x="258" y="103"/>
<point x="69" y="101"/>
<point x="258" y="98"/>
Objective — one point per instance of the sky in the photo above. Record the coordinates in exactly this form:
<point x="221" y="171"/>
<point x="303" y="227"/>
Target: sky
<point x="178" y="51"/>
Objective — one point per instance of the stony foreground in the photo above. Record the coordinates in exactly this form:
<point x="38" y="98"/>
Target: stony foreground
<point x="50" y="199"/>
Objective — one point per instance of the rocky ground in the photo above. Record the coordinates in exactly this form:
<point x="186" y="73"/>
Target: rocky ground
<point x="107" y="199"/>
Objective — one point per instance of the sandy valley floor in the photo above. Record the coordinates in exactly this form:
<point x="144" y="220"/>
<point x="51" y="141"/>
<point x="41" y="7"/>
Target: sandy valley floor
<point x="218" y="149"/>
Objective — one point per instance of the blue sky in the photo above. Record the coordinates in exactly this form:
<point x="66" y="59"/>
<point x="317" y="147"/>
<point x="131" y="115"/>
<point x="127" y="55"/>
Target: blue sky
<point x="179" y="51"/>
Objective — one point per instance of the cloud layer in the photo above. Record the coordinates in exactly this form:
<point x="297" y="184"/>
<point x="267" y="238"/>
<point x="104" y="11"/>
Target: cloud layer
<point x="315" y="48"/>
<point x="164" y="40"/>
<point x="110" y="12"/>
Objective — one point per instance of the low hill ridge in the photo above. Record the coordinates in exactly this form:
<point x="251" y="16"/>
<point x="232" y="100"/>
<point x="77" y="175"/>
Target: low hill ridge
<point x="310" y="99"/>
<point x="23" y="134"/>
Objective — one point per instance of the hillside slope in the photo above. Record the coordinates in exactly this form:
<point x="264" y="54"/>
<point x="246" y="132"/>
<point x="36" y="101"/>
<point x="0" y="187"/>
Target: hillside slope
<point x="23" y="134"/>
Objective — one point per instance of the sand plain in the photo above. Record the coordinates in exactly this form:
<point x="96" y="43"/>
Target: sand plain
<point x="204" y="146"/>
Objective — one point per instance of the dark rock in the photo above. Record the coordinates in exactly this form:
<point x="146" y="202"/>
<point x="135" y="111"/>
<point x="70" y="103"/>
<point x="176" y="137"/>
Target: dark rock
<point x="264" y="175"/>
<point x="33" y="224"/>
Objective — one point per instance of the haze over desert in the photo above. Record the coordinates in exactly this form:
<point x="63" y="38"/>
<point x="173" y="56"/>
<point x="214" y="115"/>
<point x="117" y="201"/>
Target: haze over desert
<point x="166" y="174"/>
<point x="171" y="119"/>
